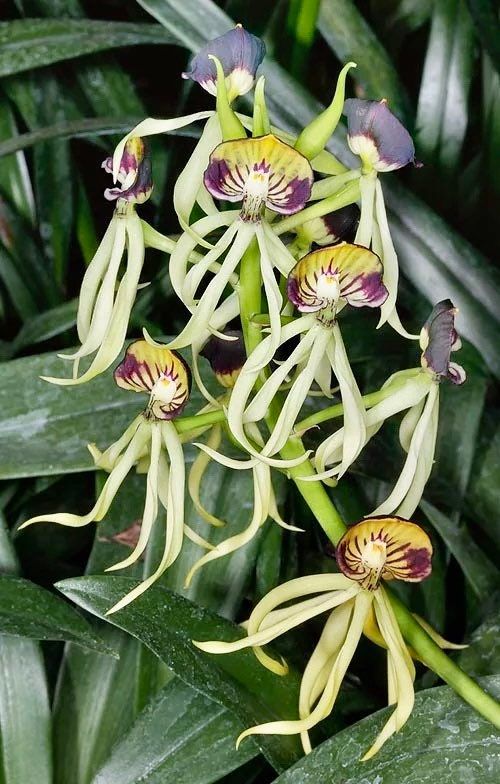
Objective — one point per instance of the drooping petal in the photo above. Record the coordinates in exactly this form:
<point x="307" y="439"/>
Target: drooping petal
<point x="226" y="357"/>
<point x="384" y="548"/>
<point x="158" y="371"/>
<point x="346" y="271"/>
<point x="438" y="339"/>
<point x="259" y="172"/>
<point x="134" y="173"/>
<point x="377" y="136"/>
<point x="240" y="54"/>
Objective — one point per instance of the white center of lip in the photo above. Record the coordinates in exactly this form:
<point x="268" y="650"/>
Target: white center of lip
<point x="164" y="390"/>
<point x="374" y="556"/>
<point x="328" y="287"/>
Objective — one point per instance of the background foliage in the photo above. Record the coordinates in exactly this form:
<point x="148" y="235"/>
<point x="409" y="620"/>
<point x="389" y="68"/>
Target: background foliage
<point x="137" y="703"/>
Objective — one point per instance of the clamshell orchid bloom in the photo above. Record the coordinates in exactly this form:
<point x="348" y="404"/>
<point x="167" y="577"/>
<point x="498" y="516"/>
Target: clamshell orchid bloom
<point x="384" y="145"/>
<point x="152" y="440"/>
<point x="320" y="285"/>
<point x="338" y="226"/>
<point x="110" y="284"/>
<point x="416" y="392"/>
<point x="375" y="549"/>
<point x="239" y="52"/>
<point x="261" y="173"/>
<point x="226" y="360"/>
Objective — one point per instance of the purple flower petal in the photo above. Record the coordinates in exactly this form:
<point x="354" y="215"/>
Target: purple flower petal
<point x="240" y="54"/>
<point x="226" y="357"/>
<point x="346" y="271"/>
<point x="438" y="339"/>
<point x="377" y="136"/>
<point x="134" y="174"/>
<point x="158" y="371"/>
<point x="259" y="172"/>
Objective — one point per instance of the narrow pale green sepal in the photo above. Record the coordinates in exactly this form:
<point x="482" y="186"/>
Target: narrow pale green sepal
<point x="315" y="136"/>
<point x="261" y="124"/>
<point x="230" y="124"/>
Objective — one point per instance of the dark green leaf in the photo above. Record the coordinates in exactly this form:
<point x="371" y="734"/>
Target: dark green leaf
<point x="482" y="657"/>
<point x="485" y="16"/>
<point x="351" y="38"/>
<point x="167" y="623"/>
<point x="46" y="325"/>
<point x="188" y="739"/>
<point x="442" y="113"/>
<point x="444" y="740"/>
<point x="32" y="43"/>
<point x="14" y="176"/>
<point x="27" y="610"/>
<point x="477" y="568"/>
<point x="25" y="721"/>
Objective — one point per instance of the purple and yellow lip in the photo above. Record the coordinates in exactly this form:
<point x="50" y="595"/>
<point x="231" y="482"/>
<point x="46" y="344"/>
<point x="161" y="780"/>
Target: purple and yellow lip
<point x="263" y="171"/>
<point x="135" y="174"/>
<point x="346" y="271"/>
<point x="384" y="548"/>
<point x="438" y="339"/>
<point x="159" y="372"/>
<point x="226" y="357"/>
<point x="240" y="54"/>
<point x="377" y="136"/>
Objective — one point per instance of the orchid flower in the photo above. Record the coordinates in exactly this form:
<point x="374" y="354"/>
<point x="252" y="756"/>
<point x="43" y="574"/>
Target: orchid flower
<point x="415" y="391"/>
<point x="239" y="53"/>
<point x="260" y="172"/>
<point x="151" y="438"/>
<point x="329" y="229"/>
<point x="375" y="549"/>
<point x="106" y="300"/>
<point x="383" y="145"/>
<point x="319" y="285"/>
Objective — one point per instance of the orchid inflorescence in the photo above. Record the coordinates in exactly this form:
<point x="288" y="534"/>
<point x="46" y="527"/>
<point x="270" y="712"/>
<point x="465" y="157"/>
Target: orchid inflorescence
<point x="292" y="251"/>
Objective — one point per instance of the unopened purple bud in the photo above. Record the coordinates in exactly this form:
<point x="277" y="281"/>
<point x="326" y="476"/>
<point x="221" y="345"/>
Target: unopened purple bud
<point x="377" y="136"/>
<point x="226" y="357"/>
<point x="335" y="227"/>
<point x="240" y="54"/>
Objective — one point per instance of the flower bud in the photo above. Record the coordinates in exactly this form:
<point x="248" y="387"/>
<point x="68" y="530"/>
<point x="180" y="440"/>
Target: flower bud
<point x="240" y="54"/>
<point x="377" y="136"/>
<point x="438" y="339"/>
<point x="226" y="357"/>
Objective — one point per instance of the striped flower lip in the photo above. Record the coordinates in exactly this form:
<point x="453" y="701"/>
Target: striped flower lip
<point x="377" y="136"/>
<point x="349" y="272"/>
<point x="226" y="357"/>
<point x="240" y="54"/>
<point x="334" y="227"/>
<point x="259" y="172"/>
<point x="438" y="339"/>
<point x="384" y="548"/>
<point x="158" y="371"/>
<point x="134" y="176"/>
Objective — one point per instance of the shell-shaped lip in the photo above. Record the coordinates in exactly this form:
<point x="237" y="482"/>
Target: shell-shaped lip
<point x="376" y="135"/>
<point x="438" y="339"/>
<point x="226" y="357"/>
<point x="238" y="51"/>
<point x="145" y="368"/>
<point x="334" y="227"/>
<point x="357" y="270"/>
<point x="263" y="167"/>
<point x="135" y="173"/>
<point x="384" y="548"/>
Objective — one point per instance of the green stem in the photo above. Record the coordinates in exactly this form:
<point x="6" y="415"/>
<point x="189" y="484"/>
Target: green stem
<point x="348" y="194"/>
<point x="327" y="516"/>
<point x="435" y="659"/>
<point x="185" y="424"/>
